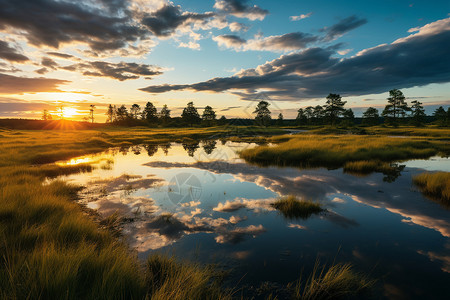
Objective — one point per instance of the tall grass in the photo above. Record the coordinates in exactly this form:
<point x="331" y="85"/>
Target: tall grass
<point x="436" y="185"/>
<point x="293" y="208"/>
<point x="339" y="281"/>
<point x="335" y="151"/>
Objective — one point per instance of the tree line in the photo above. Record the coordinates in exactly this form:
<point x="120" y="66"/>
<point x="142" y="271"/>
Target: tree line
<point x="333" y="112"/>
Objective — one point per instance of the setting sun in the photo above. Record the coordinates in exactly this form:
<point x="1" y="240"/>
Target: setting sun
<point x="69" y="112"/>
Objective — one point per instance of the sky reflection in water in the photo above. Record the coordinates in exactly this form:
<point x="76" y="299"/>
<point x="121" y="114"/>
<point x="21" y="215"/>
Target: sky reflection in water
<point x="202" y="201"/>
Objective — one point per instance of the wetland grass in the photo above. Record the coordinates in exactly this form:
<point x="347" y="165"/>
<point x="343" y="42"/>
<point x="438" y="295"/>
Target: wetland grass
<point x="435" y="185"/>
<point x="293" y="208"/>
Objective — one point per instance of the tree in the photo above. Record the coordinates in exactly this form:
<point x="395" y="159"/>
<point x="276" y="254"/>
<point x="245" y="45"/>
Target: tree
<point x="263" y="113"/>
<point x="309" y="113"/>
<point x="223" y="120"/>
<point x="150" y="113"/>
<point x="280" y="119"/>
<point x="418" y="113"/>
<point x="318" y="114"/>
<point x="440" y="115"/>
<point x="122" y="113"/>
<point x="334" y="107"/>
<point x="46" y="116"/>
<point x="91" y="112"/>
<point x="134" y="110"/>
<point x="164" y="114"/>
<point x="301" y="118"/>
<point x="110" y="114"/>
<point x="349" y="117"/>
<point x="209" y="115"/>
<point x="190" y="114"/>
<point x="396" y="108"/>
<point x="371" y="116"/>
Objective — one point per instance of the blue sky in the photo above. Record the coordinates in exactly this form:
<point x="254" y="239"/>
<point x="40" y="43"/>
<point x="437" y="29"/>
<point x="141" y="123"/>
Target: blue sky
<point x="209" y="52"/>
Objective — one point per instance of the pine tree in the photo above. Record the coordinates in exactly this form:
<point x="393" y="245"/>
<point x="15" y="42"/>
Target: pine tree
<point x="164" y="114"/>
<point x="396" y="108"/>
<point x="110" y="114"/>
<point x="418" y="113"/>
<point x="334" y="107"/>
<point x="135" y="109"/>
<point x="371" y="116"/>
<point x="208" y="114"/>
<point x="190" y="114"/>
<point x="150" y="113"/>
<point x="262" y="112"/>
<point x="280" y="119"/>
<point x="122" y="113"/>
<point x="301" y="117"/>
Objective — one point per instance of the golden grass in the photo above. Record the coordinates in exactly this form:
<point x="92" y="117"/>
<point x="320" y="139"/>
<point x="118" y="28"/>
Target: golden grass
<point x="335" y="151"/>
<point x="436" y="185"/>
<point x="293" y="208"/>
<point x="339" y="281"/>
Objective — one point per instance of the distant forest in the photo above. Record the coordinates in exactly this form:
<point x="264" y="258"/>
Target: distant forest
<point x="333" y="112"/>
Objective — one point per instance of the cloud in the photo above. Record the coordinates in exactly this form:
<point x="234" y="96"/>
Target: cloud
<point x="61" y="55"/>
<point x="241" y="9"/>
<point x="164" y="21"/>
<point x="415" y="60"/>
<point x="285" y="42"/>
<point x="120" y="71"/>
<point x="229" y="41"/>
<point x="236" y="26"/>
<point x="11" y="54"/>
<point x="102" y="25"/>
<point x="300" y="17"/>
<point x="20" y="85"/>
<point x="342" y="27"/>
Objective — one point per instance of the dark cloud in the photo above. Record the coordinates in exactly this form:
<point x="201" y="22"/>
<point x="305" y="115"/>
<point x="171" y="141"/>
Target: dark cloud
<point x="19" y="85"/>
<point x="342" y="27"/>
<point x="52" y="23"/>
<point x="230" y="108"/>
<point x="168" y="18"/>
<point x="241" y="9"/>
<point x="11" y="54"/>
<point x="60" y="55"/>
<point x="120" y="71"/>
<point x="285" y="42"/>
<point x="416" y="60"/>
<point x="49" y="63"/>
<point x="229" y="40"/>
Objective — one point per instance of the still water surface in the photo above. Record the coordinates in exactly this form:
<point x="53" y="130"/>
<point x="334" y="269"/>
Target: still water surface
<point x="203" y="203"/>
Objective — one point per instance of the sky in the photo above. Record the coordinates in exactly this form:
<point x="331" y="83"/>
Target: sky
<point x="228" y="54"/>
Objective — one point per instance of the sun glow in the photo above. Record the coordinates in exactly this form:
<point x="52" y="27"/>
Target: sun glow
<point x="69" y="112"/>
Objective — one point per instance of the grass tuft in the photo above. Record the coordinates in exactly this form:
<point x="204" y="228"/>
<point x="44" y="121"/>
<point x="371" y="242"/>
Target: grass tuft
<point x="339" y="281"/>
<point x="435" y="185"/>
<point x="293" y="208"/>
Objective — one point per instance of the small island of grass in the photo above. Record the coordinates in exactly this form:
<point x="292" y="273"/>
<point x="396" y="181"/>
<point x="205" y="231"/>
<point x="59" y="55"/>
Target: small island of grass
<point x="293" y="208"/>
<point x="435" y="185"/>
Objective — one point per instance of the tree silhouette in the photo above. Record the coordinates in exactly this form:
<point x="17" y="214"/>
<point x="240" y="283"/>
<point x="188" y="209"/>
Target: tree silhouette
<point x="334" y="107"/>
<point x="396" y="108"/>
<point x="191" y="147"/>
<point x="190" y="114"/>
<point x="440" y="115"/>
<point x="110" y="113"/>
<point x="209" y="115"/>
<point x="418" y="113"/>
<point x="301" y="118"/>
<point x="164" y="114"/>
<point x="46" y="116"/>
<point x="134" y="110"/>
<point x="91" y="112"/>
<point x="349" y="117"/>
<point x="209" y="146"/>
<point x="371" y="116"/>
<point x="122" y="113"/>
<point x="318" y="114"/>
<point x="222" y="120"/>
<point x="149" y="113"/>
<point x="280" y="119"/>
<point x="262" y="112"/>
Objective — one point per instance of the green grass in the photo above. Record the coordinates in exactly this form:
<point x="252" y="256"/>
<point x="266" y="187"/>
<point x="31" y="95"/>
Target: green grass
<point x="309" y="151"/>
<point x="435" y="185"/>
<point x="293" y="208"/>
<point x="339" y="281"/>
